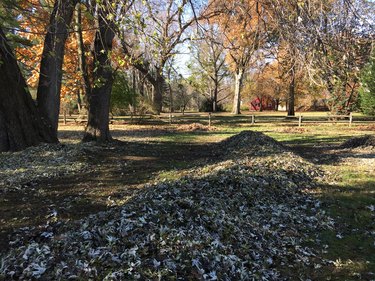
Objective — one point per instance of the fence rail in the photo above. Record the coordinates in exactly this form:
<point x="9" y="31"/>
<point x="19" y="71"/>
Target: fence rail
<point x="212" y="119"/>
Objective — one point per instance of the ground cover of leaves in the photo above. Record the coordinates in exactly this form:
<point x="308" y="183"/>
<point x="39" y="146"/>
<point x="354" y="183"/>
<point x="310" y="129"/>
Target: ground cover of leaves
<point x="367" y="141"/>
<point x="25" y="168"/>
<point x="195" y="127"/>
<point x="246" y="217"/>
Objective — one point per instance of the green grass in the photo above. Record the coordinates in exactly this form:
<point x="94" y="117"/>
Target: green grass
<point x="312" y="134"/>
<point x="348" y="202"/>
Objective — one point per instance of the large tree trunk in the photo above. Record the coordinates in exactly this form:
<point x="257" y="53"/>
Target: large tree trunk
<point x="237" y="92"/>
<point x="20" y="123"/>
<point x="97" y="128"/>
<point x="157" y="97"/>
<point x="291" y="93"/>
<point x="49" y="87"/>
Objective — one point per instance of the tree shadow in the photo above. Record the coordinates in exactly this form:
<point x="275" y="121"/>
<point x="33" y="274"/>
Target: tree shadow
<point x="117" y="171"/>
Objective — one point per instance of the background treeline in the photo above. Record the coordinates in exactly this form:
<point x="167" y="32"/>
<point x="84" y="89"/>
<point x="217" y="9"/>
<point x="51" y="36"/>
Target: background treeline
<point x="136" y="57"/>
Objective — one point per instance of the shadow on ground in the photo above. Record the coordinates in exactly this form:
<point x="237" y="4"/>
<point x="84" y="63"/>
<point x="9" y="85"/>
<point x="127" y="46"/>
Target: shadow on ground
<point x="116" y="172"/>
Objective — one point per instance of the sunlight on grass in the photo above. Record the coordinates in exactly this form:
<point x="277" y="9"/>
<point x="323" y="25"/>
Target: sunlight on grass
<point x="350" y="204"/>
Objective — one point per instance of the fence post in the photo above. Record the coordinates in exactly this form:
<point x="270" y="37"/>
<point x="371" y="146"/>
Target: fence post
<point x="64" y="116"/>
<point x="252" y="119"/>
<point x="300" y="120"/>
<point x="170" y="119"/>
<point x="209" y="119"/>
<point x="350" y="119"/>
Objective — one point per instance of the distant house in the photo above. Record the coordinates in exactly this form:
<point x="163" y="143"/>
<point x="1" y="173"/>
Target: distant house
<point x="262" y="103"/>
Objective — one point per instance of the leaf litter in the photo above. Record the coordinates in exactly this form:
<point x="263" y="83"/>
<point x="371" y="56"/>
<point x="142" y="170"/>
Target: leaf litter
<point x="247" y="217"/>
<point x="25" y="168"/>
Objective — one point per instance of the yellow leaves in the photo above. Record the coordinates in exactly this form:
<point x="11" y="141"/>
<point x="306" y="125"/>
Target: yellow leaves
<point x="300" y="3"/>
<point x="110" y="17"/>
<point x="121" y="62"/>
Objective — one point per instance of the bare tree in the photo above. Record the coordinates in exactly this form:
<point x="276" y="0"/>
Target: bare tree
<point x="158" y="28"/>
<point x="329" y="40"/>
<point x="242" y="26"/>
<point x="344" y="37"/>
<point x="209" y="55"/>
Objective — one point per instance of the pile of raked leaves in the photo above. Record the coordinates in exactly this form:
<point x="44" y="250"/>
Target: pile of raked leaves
<point x="246" y="216"/>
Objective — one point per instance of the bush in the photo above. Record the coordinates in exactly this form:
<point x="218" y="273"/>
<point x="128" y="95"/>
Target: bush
<point x="367" y="90"/>
<point x="206" y="106"/>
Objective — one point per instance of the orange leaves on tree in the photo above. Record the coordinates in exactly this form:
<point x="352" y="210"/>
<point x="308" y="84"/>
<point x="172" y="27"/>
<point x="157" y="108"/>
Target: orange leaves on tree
<point x="240" y="22"/>
<point x="33" y="22"/>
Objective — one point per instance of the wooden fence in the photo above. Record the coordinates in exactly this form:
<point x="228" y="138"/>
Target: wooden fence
<point x="212" y="119"/>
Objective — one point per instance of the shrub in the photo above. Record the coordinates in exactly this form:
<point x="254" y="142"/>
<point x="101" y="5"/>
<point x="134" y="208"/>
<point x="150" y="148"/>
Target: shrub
<point x="123" y="96"/>
<point x="207" y="104"/>
<point x="367" y="90"/>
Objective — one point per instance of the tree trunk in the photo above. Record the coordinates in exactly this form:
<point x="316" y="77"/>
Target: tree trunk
<point x="80" y="49"/>
<point x="135" y="86"/>
<point x="291" y="93"/>
<point x="49" y="87"/>
<point x="214" y="100"/>
<point x="20" y="122"/>
<point x="277" y="103"/>
<point x="237" y="92"/>
<point x="171" y="106"/>
<point x="351" y="96"/>
<point x="97" y="128"/>
<point x="141" y="83"/>
<point x="79" y="100"/>
<point x="157" y="97"/>
<point x="171" y="98"/>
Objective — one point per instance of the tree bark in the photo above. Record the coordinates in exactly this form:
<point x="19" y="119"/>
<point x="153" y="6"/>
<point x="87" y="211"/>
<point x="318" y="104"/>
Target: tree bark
<point x="79" y="100"/>
<point x="81" y="50"/>
<point x="277" y="103"/>
<point x="237" y="92"/>
<point x="171" y="105"/>
<point x="291" y="94"/>
<point x="157" y="97"/>
<point x="214" y="100"/>
<point x="48" y="95"/>
<point x="20" y="122"/>
<point x="97" y="128"/>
